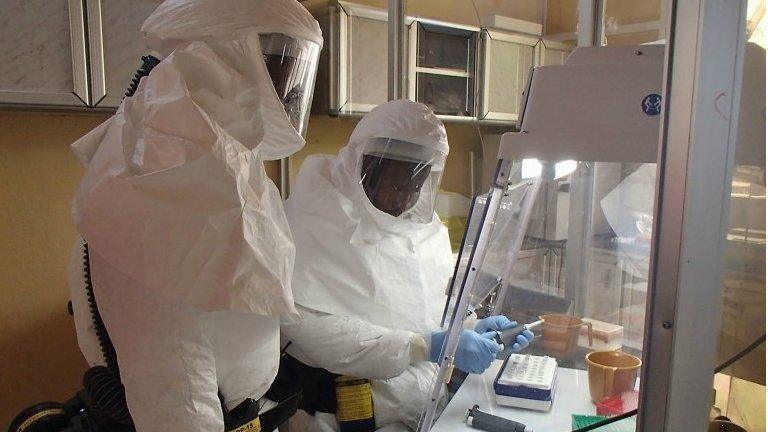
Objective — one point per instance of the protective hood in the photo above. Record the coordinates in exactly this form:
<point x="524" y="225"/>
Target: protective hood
<point x="355" y="260"/>
<point x="236" y="90"/>
<point x="400" y="121"/>
<point x="177" y="22"/>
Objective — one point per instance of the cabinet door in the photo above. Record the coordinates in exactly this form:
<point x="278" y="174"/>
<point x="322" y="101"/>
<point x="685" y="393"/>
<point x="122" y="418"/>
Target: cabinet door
<point x="366" y="63"/>
<point x="552" y="53"/>
<point x="115" y="46"/>
<point x="507" y="61"/>
<point x="42" y="59"/>
<point x="442" y="72"/>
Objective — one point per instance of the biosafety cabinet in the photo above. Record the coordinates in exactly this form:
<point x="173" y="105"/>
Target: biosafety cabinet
<point x="563" y="236"/>
<point x="463" y="73"/>
<point x="608" y="241"/>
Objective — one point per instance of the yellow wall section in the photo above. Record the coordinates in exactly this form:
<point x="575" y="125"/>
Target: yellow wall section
<point x="39" y="358"/>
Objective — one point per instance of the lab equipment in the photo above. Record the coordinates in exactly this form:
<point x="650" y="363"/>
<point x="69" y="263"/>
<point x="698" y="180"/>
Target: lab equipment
<point x="582" y="133"/>
<point x="491" y="423"/>
<point x="474" y="354"/>
<point x="526" y="381"/>
<point x="511" y="336"/>
<point x="190" y="286"/>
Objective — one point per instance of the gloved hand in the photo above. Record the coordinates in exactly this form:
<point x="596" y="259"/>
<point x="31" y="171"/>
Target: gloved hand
<point x="499" y="323"/>
<point x="522" y="340"/>
<point x="474" y="353"/>
<point x="494" y="322"/>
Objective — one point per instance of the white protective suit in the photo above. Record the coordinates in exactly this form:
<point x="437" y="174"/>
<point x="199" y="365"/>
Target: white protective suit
<point x="369" y="284"/>
<point x="190" y="251"/>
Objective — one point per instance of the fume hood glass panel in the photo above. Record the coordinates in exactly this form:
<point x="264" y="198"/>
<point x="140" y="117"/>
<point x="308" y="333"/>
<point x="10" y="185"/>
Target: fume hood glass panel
<point x="569" y="243"/>
<point x="508" y="231"/>
<point x="446" y="94"/>
<point x="585" y="253"/>
<point x="740" y="388"/>
<point x="367" y="63"/>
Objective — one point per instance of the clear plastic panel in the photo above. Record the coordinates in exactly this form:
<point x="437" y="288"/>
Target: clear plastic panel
<point x="569" y="243"/>
<point x="740" y="388"/>
<point x="507" y="229"/>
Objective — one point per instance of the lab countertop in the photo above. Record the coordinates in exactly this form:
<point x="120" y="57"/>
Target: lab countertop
<point x="571" y="397"/>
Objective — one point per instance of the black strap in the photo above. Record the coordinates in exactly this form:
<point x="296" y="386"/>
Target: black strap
<point x="315" y="386"/>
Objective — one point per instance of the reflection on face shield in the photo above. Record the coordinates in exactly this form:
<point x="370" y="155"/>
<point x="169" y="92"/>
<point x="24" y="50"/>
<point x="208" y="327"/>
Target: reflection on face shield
<point x="292" y="65"/>
<point x="393" y="186"/>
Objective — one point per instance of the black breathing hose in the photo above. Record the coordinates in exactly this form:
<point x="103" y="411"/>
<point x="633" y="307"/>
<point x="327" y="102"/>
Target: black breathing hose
<point x="148" y="63"/>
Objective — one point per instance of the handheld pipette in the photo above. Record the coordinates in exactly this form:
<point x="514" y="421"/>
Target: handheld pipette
<point x="491" y="423"/>
<point x="508" y="337"/>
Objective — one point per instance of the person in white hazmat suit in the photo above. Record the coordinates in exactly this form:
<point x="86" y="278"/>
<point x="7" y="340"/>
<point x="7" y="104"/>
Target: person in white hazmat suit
<point x="190" y="253"/>
<point x="373" y="261"/>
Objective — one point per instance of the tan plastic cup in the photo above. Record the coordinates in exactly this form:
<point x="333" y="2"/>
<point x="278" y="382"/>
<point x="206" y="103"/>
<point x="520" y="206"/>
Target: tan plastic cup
<point x="560" y="334"/>
<point x="611" y="373"/>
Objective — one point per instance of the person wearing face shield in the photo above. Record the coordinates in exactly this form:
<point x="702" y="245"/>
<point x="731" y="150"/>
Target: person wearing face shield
<point x="373" y="261"/>
<point x="188" y="251"/>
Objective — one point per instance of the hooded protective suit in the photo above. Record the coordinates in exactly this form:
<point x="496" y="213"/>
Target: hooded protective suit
<point x="370" y="284"/>
<point x="190" y="252"/>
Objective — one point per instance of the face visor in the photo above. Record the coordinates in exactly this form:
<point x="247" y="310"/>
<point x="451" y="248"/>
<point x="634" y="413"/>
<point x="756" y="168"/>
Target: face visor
<point x="401" y="178"/>
<point x="292" y="66"/>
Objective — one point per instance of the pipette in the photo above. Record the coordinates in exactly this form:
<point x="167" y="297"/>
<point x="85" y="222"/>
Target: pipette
<point x="491" y="423"/>
<point x="508" y="337"/>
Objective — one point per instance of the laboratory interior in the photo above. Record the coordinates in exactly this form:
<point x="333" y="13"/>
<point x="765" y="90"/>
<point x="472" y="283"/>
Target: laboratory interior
<point x="400" y="215"/>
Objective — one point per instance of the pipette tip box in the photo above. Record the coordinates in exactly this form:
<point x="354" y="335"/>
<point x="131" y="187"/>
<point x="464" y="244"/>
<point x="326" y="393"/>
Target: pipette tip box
<point x="526" y="381"/>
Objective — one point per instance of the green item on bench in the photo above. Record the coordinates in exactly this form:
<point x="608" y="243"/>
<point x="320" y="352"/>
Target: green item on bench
<point x="625" y="425"/>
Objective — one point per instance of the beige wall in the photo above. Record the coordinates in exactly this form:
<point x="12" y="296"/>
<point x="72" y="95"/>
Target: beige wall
<point x="39" y="358"/>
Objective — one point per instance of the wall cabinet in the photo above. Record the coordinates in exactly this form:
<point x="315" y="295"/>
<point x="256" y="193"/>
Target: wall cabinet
<point x="47" y="61"/>
<point x="442" y="72"/>
<point x="507" y="61"/>
<point x="42" y="53"/>
<point x="461" y="72"/>
<point x="352" y="76"/>
<point x="552" y="53"/>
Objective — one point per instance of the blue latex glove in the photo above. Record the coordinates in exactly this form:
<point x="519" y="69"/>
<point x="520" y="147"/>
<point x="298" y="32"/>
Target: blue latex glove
<point x="522" y="340"/>
<point x="499" y="323"/>
<point x="474" y="353"/>
<point x="495" y="322"/>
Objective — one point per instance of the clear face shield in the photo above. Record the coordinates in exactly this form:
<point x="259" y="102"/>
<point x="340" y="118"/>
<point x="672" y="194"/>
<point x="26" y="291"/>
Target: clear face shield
<point x="401" y="178"/>
<point x="292" y="65"/>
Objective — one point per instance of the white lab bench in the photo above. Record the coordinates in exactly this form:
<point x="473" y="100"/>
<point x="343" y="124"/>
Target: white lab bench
<point x="571" y="397"/>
